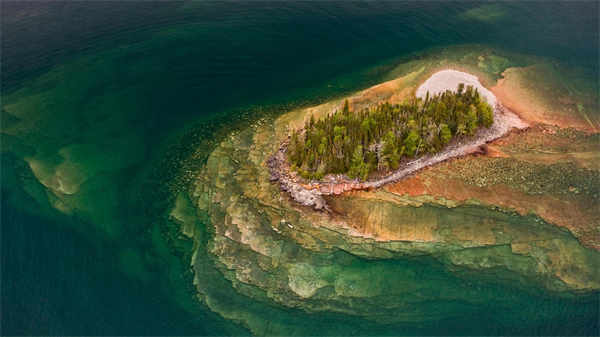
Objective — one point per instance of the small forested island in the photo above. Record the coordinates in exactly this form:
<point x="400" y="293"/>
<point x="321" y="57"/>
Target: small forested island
<point x="376" y="140"/>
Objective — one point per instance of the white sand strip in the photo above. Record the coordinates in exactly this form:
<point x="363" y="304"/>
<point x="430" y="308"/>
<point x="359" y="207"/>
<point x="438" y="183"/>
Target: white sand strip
<point x="449" y="80"/>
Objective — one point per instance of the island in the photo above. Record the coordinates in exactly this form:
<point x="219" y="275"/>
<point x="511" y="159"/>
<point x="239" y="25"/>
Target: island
<point x="450" y="115"/>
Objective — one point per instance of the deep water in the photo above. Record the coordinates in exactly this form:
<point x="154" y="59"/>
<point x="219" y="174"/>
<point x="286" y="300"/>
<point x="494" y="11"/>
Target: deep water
<point x="113" y="97"/>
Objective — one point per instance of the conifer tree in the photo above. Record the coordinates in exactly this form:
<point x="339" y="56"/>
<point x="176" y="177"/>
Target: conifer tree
<point x="411" y="142"/>
<point x="346" y="108"/>
<point x="471" y="120"/>
<point x="486" y="114"/>
<point x="445" y="134"/>
<point x="358" y="167"/>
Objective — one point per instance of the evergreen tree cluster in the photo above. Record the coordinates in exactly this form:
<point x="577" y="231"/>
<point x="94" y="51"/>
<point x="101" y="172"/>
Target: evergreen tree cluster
<point x="376" y="139"/>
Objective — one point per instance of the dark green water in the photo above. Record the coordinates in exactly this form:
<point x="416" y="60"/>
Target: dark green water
<point x="122" y="93"/>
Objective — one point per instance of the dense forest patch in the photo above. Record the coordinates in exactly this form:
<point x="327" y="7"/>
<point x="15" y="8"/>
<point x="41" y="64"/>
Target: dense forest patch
<point x="377" y="139"/>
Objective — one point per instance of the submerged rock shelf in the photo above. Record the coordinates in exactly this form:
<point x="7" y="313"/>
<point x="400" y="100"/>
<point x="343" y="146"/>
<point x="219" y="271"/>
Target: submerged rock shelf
<point x="379" y="255"/>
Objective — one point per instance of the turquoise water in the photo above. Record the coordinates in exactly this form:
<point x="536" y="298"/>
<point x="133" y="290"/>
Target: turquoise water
<point x="113" y="97"/>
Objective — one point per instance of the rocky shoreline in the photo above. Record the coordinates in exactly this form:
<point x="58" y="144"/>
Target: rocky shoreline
<point x="311" y="193"/>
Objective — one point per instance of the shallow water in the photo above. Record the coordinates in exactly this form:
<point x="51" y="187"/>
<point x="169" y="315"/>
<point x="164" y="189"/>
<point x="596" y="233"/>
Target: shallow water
<point x="102" y="103"/>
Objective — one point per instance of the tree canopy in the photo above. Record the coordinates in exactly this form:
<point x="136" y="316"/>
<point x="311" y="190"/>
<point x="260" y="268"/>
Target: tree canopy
<point x="357" y="143"/>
